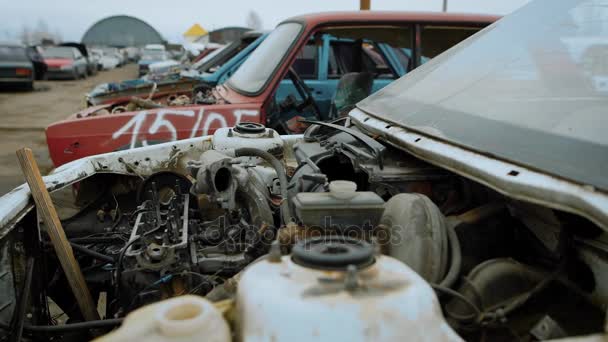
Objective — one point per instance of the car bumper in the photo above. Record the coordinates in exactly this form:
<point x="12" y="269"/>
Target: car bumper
<point x="15" y="80"/>
<point x="60" y="74"/>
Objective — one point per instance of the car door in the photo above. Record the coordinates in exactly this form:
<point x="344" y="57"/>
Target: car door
<point x="306" y="66"/>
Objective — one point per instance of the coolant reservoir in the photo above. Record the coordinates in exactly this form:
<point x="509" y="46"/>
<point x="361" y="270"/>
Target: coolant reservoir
<point x="335" y="289"/>
<point x="186" y="318"/>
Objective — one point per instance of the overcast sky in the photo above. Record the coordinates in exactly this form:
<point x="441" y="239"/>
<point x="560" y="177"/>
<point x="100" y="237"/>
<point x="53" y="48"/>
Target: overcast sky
<point x="71" y="18"/>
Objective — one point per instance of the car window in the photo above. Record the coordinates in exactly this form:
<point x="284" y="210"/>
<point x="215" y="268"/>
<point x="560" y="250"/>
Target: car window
<point x="375" y="62"/>
<point x="359" y="51"/>
<point x="436" y="39"/>
<point x="58" y="52"/>
<point x="358" y="56"/>
<point x="13" y="53"/>
<point x="305" y="63"/>
<point x="404" y="56"/>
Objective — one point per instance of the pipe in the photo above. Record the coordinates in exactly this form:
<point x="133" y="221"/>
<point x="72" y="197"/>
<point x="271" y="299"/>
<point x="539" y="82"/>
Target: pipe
<point x="82" y="249"/>
<point x="278" y="167"/>
<point x="89" y="325"/>
<point x="98" y="239"/>
<point x="456" y="258"/>
<point x="470" y="217"/>
<point x="479" y="214"/>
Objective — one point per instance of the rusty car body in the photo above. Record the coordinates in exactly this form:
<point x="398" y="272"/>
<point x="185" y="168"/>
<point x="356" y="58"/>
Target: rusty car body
<point x="253" y="93"/>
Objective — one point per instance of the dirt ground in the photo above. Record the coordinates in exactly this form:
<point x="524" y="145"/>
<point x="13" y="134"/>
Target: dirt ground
<point x="25" y="114"/>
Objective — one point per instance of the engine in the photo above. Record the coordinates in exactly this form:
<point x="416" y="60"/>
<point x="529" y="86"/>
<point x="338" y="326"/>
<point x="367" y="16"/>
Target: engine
<point x="332" y="212"/>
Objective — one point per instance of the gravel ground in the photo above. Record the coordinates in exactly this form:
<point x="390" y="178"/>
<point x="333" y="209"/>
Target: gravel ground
<point x="26" y="114"/>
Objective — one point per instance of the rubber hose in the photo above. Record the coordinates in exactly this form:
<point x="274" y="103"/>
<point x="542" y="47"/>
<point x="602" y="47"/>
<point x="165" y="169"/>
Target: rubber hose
<point x="278" y="167"/>
<point x="456" y="258"/>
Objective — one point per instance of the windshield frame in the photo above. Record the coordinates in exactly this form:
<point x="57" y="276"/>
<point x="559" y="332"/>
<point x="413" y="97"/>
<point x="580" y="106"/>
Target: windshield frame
<point x="286" y="56"/>
<point x="213" y="58"/>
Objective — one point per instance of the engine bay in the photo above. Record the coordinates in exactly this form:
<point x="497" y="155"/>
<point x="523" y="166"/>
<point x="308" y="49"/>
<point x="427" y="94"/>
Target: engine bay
<point x="501" y="269"/>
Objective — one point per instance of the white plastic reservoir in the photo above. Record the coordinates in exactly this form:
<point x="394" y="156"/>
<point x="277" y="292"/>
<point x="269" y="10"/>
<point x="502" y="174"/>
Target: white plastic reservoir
<point x="248" y="134"/>
<point x="184" y="319"/>
<point x="385" y="301"/>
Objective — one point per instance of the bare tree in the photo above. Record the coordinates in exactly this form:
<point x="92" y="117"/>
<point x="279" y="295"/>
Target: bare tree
<point x="254" y="20"/>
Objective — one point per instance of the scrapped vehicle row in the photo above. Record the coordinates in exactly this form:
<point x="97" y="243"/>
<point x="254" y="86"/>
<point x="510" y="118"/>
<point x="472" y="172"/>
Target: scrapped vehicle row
<point x="21" y="66"/>
<point x="359" y="176"/>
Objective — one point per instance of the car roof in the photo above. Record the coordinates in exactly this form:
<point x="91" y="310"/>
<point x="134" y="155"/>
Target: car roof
<point x="315" y="19"/>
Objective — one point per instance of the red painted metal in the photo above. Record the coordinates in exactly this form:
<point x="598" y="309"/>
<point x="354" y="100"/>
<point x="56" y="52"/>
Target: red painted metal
<point x="58" y="62"/>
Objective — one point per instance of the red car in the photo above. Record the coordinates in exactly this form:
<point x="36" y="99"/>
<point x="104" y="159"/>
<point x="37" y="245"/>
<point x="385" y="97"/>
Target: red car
<point x="65" y="62"/>
<point x="332" y="61"/>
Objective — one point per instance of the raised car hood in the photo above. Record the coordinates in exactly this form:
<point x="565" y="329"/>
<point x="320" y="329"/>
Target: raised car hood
<point x="537" y="101"/>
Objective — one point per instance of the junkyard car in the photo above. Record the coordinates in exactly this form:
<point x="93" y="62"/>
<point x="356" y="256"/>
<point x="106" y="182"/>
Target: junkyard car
<point x="152" y="53"/>
<point x="256" y="93"/>
<point x="16" y="69"/>
<point x="85" y="52"/>
<point x="107" y="59"/>
<point x="65" y="62"/>
<point x="213" y="70"/>
<point x="465" y="201"/>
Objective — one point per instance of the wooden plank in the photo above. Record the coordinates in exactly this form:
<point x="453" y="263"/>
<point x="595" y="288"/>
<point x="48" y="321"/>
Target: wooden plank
<point x="57" y="234"/>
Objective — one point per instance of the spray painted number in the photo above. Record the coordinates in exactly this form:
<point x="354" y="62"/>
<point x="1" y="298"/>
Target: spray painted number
<point x="163" y="120"/>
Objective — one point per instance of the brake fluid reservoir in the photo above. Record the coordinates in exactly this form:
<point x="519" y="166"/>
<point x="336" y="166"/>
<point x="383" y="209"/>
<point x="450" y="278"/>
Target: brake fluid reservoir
<point x="335" y="289"/>
<point x="343" y="206"/>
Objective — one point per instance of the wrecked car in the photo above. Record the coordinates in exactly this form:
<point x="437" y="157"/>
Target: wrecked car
<point x="465" y="201"/>
<point x="256" y="93"/>
<point x="65" y="62"/>
<point x="150" y="54"/>
<point x="210" y="71"/>
<point x="16" y="69"/>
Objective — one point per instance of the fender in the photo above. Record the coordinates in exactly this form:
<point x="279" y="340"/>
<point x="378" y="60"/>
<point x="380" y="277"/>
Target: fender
<point x="74" y="139"/>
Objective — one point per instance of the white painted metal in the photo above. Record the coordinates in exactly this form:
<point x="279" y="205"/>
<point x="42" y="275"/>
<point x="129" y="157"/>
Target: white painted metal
<point x="226" y="140"/>
<point x="138" y="162"/>
<point x="513" y="180"/>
